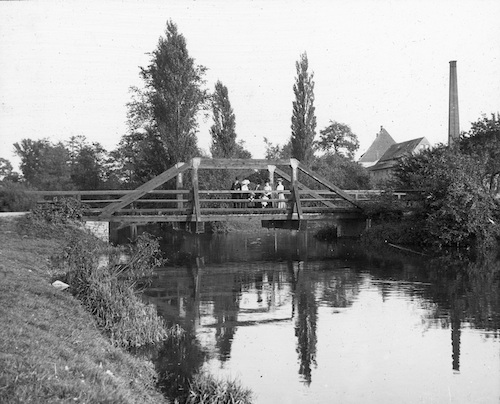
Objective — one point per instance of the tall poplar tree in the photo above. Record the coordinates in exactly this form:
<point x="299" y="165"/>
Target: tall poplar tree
<point x="303" y="117"/>
<point x="172" y="99"/>
<point x="223" y="130"/>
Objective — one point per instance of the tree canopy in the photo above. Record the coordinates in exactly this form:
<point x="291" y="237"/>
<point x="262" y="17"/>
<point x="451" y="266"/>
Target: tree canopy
<point x="338" y="138"/>
<point x="341" y="171"/>
<point x="165" y="113"/>
<point x="482" y="143"/>
<point x="303" y="116"/>
<point x="5" y="168"/>
<point x="44" y="165"/>
<point x="455" y="208"/>
<point x="223" y="130"/>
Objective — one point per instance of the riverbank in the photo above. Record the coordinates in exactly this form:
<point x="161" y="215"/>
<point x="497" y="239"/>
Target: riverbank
<point x="50" y="348"/>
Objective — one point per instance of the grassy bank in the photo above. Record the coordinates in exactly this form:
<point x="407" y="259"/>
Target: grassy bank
<point x="59" y="346"/>
<point x="50" y="348"/>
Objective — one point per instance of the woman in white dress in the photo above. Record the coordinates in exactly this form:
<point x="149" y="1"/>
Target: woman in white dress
<point x="267" y="194"/>
<point x="281" y="195"/>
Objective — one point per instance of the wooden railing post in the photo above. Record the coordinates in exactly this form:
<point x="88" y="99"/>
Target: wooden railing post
<point x="196" y="196"/>
<point x="271" y="169"/>
<point x="179" y="184"/>
<point x="294" y="163"/>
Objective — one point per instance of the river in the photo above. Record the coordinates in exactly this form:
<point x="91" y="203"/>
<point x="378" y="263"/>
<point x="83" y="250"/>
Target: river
<point x="301" y="321"/>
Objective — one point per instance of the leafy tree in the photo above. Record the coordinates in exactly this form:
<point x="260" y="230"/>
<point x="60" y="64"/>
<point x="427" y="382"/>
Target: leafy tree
<point x="45" y="165"/>
<point x="241" y="152"/>
<point x="5" y="168"/>
<point x="139" y="157"/>
<point x="277" y="151"/>
<point x="455" y="209"/>
<point x="223" y="130"/>
<point x="342" y="171"/>
<point x="224" y="143"/>
<point x="338" y="137"/>
<point x="88" y="170"/>
<point x="15" y="197"/>
<point x="303" y="117"/>
<point x="482" y="142"/>
<point x="172" y="99"/>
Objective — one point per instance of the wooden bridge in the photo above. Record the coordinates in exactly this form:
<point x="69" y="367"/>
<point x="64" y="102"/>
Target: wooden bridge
<point x="177" y="198"/>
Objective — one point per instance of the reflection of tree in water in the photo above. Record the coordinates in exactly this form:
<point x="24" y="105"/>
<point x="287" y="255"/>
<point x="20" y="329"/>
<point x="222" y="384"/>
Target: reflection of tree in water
<point x="340" y="286"/>
<point x="337" y="287"/>
<point x="306" y="317"/>
<point x="226" y="307"/>
<point x="459" y="289"/>
<point x="178" y="360"/>
<point x="470" y="291"/>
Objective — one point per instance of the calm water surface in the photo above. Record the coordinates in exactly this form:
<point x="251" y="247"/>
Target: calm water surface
<point x="299" y="321"/>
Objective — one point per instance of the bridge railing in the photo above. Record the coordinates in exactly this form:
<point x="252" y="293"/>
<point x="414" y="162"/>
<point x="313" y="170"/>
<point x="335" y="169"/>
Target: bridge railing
<point x="371" y="194"/>
<point x="149" y="203"/>
<point x="180" y="202"/>
<point x="94" y="202"/>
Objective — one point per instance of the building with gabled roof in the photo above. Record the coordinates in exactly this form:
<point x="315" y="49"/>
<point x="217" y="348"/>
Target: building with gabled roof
<point x="382" y="170"/>
<point x="377" y="149"/>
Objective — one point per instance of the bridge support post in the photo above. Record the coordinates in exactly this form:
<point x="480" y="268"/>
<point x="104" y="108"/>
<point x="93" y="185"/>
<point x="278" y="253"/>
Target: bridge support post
<point x="271" y="169"/>
<point x="196" y="197"/>
<point x="294" y="163"/>
<point x="179" y="184"/>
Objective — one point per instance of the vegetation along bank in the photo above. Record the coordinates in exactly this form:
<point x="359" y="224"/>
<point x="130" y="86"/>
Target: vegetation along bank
<point x="73" y="345"/>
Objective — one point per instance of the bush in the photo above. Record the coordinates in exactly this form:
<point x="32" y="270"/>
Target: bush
<point x="15" y="197"/>
<point x="217" y="227"/>
<point x="60" y="211"/>
<point x="145" y="256"/>
<point x="108" y="292"/>
<point x="406" y="232"/>
<point x="206" y="389"/>
<point x="384" y="208"/>
<point x="457" y="208"/>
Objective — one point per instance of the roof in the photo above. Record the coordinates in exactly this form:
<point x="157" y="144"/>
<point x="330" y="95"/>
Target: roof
<point x="397" y="151"/>
<point x="379" y="146"/>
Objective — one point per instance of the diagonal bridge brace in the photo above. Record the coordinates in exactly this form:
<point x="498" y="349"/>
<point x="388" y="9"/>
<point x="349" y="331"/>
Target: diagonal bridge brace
<point x="322" y="181"/>
<point x="328" y="184"/>
<point x="125" y="200"/>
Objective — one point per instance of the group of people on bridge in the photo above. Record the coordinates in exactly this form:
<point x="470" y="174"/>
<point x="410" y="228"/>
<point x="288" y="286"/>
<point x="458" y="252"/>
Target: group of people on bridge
<point x="258" y="197"/>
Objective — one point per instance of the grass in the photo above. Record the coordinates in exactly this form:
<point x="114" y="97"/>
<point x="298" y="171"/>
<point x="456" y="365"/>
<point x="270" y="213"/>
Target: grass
<point x="51" y="350"/>
<point x="67" y="346"/>
<point x="109" y="293"/>
<point x="206" y="389"/>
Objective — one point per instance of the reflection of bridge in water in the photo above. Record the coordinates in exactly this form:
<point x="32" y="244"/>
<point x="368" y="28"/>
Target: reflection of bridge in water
<point x="215" y="300"/>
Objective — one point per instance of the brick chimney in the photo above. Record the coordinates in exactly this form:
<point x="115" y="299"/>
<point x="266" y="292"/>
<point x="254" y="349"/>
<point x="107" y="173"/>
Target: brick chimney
<point x="453" y="121"/>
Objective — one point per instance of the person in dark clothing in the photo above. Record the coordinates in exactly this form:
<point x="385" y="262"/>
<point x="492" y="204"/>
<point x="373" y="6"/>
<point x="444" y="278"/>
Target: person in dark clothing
<point x="236" y="186"/>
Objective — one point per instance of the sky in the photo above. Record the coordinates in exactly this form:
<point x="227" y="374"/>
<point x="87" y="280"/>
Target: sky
<point x="66" y="66"/>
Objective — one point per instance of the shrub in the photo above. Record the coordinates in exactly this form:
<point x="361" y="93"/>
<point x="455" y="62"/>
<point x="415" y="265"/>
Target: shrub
<point x="61" y="210"/>
<point x="406" y="232"/>
<point x="217" y="227"/>
<point x="16" y="197"/>
<point x="145" y="256"/>
<point x="383" y="208"/>
<point x="206" y="389"/>
<point x="108" y="293"/>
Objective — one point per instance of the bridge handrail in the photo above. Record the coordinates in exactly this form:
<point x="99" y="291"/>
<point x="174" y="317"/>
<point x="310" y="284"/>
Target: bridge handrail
<point x="197" y="204"/>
